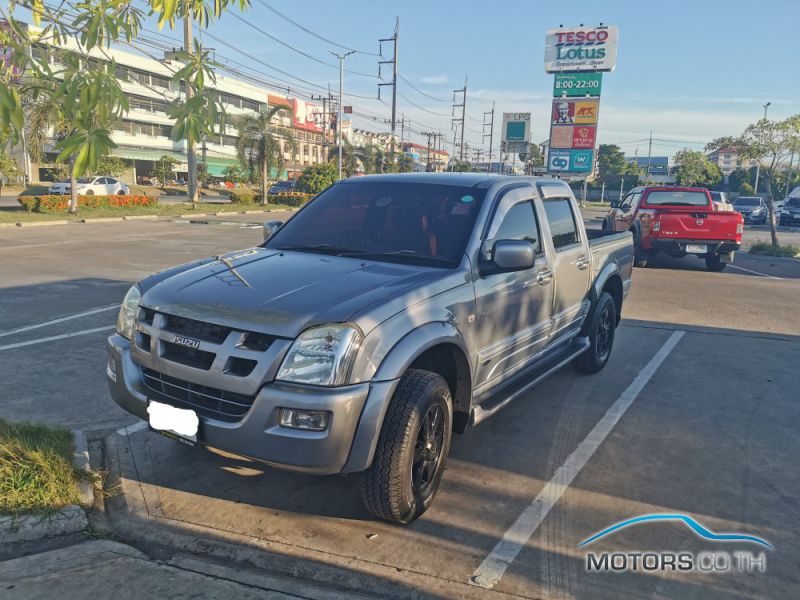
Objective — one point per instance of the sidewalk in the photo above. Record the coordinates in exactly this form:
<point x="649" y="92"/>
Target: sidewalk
<point x="105" y="569"/>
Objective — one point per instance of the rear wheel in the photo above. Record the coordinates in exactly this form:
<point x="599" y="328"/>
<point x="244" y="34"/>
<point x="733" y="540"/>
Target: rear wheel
<point x="714" y="263"/>
<point x="90" y="192"/>
<point x="601" y="327"/>
<point x="412" y="448"/>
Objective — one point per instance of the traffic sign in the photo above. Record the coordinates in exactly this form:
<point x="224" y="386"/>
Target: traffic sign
<point x="577" y="85"/>
<point x="516" y="127"/>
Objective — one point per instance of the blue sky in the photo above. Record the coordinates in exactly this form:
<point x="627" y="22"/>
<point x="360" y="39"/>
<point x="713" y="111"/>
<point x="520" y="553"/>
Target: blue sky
<point x="688" y="70"/>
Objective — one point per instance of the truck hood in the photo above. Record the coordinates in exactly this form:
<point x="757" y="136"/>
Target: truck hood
<point x="282" y="292"/>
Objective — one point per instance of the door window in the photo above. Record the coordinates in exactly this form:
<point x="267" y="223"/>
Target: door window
<point x="519" y="223"/>
<point x="562" y="222"/>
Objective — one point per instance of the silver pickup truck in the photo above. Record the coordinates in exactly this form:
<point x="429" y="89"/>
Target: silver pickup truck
<point x="389" y="312"/>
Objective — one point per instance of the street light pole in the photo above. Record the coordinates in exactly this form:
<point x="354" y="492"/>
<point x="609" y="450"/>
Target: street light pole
<point x="341" y="58"/>
<point x="758" y="166"/>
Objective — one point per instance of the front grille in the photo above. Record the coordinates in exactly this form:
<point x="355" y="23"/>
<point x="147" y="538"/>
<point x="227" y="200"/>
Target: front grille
<point x="208" y="332"/>
<point x="191" y="357"/>
<point x="206" y="401"/>
<point x="241" y="367"/>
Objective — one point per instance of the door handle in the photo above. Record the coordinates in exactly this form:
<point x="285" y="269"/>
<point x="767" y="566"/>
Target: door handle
<point x="544" y="276"/>
<point x="582" y="262"/>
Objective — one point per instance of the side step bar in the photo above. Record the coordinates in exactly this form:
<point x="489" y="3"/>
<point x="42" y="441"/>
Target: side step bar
<point x="576" y="348"/>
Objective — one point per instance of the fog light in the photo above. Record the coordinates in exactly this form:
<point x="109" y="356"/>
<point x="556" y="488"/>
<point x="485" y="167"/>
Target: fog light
<point x="310" y="420"/>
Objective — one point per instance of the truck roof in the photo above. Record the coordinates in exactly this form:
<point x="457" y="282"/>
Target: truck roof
<point x="457" y="179"/>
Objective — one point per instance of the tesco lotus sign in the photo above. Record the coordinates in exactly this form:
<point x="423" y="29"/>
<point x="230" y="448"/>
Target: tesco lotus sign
<point x="581" y="49"/>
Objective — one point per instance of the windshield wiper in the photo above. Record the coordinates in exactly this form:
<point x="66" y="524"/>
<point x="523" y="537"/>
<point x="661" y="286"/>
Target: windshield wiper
<point x="413" y="254"/>
<point x="324" y="249"/>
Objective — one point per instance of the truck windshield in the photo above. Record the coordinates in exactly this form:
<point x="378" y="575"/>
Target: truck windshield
<point x="426" y="224"/>
<point x="747" y="202"/>
<point x="677" y="198"/>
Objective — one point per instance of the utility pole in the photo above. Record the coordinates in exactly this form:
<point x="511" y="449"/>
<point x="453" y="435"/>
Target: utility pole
<point x="324" y="101"/>
<point x="402" y="130"/>
<point x="649" y="154"/>
<point x="758" y="166"/>
<point x="460" y="122"/>
<point x="341" y="58"/>
<point x="191" y="158"/>
<point x="393" y="62"/>
<point x="789" y="174"/>
<point x="490" y="135"/>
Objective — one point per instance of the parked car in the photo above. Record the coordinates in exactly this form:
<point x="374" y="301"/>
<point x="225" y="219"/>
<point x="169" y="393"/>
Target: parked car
<point x="90" y="186"/>
<point x="677" y="221"/>
<point x="752" y="208"/>
<point x="282" y="186"/>
<point x="721" y="201"/>
<point x="389" y="312"/>
<point x="790" y="214"/>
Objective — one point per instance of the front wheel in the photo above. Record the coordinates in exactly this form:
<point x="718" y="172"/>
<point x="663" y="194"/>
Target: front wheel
<point x="412" y="449"/>
<point x="714" y="263"/>
<point x="601" y="326"/>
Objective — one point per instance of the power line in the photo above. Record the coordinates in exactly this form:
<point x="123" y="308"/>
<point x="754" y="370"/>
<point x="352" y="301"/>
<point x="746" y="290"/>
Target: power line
<point x="422" y="108"/>
<point x="308" y="31"/>
<point x="419" y="91"/>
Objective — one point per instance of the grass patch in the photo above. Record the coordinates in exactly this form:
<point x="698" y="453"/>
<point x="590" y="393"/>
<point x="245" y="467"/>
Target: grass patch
<point x="36" y="470"/>
<point x="767" y="249"/>
<point x="13" y="214"/>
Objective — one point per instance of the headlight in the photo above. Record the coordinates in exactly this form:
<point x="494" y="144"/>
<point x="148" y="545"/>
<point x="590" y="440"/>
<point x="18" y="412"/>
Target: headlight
<point x="126" y="320"/>
<point x="322" y="356"/>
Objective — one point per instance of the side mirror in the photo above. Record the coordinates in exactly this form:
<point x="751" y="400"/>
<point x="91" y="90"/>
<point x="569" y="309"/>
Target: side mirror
<point x="615" y="204"/>
<point x="271" y="228"/>
<point x="513" y="255"/>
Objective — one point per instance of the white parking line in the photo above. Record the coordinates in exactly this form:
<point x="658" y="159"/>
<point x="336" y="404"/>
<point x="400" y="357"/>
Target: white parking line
<point x="53" y="338"/>
<point x="132" y="428"/>
<point x="756" y="272"/>
<point x="86" y="313"/>
<point x="494" y="566"/>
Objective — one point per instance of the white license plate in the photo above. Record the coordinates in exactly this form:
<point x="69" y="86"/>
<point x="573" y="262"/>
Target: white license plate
<point x="696" y="249"/>
<point x="180" y="424"/>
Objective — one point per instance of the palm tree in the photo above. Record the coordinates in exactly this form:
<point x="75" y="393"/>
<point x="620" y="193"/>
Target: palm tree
<point x="259" y="147"/>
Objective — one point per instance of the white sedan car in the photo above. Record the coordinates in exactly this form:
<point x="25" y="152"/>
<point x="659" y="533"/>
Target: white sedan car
<point x="90" y="186"/>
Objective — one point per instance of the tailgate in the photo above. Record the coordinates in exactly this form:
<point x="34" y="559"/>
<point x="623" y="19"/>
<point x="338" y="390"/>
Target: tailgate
<point x="699" y="225"/>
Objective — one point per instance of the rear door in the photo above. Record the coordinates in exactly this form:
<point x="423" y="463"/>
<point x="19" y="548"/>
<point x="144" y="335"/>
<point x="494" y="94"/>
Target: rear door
<point x="514" y="309"/>
<point x="112" y="185"/>
<point x="571" y="263"/>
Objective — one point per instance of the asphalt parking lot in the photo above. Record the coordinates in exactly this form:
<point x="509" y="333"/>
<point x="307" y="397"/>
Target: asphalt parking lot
<point x="696" y="414"/>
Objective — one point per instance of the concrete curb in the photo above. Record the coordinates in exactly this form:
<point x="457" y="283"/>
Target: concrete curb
<point x="70" y="519"/>
<point x="42" y="223"/>
<point x="188" y="215"/>
<point x="139" y="217"/>
<point x="102" y="219"/>
<point x="80" y="459"/>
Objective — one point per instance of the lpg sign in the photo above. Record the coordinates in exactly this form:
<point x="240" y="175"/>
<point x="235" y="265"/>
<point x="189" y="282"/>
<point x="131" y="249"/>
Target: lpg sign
<point x="581" y="49"/>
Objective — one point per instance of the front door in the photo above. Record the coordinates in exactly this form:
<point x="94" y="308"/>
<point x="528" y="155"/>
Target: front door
<point x="513" y="308"/>
<point x="623" y="216"/>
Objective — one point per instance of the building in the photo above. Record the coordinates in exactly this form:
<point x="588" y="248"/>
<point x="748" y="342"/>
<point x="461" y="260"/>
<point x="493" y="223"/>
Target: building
<point x="422" y="157"/>
<point x="144" y="133"/>
<point x="727" y="159"/>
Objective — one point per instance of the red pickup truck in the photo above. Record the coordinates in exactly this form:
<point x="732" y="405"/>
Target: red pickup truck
<point x="677" y="221"/>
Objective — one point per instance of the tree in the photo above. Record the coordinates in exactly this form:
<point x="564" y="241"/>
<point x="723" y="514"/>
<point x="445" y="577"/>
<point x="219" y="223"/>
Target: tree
<point x="745" y="189"/>
<point x="317" y="178"/>
<point x="406" y="164"/>
<point x="163" y="168"/>
<point x="632" y="173"/>
<point x="460" y="166"/>
<point x="236" y="174"/>
<point x="81" y="89"/>
<point x="692" y="168"/>
<point x="737" y="178"/>
<point x="351" y="156"/>
<point x="610" y="161"/>
<point x="259" y="147"/>
<point x="8" y="168"/>
<point x="111" y="165"/>
<point x="770" y="143"/>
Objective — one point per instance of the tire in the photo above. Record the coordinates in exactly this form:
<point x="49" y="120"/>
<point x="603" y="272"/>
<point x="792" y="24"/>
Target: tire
<point x="405" y="473"/>
<point x="90" y="192"/>
<point x="714" y="263"/>
<point x="600" y="328"/>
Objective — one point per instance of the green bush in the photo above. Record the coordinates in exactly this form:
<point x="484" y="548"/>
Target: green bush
<point x="35" y="190"/>
<point x="242" y="197"/>
<point x="316" y="178"/>
<point x="290" y="198"/>
<point x="770" y="250"/>
<point x="56" y="204"/>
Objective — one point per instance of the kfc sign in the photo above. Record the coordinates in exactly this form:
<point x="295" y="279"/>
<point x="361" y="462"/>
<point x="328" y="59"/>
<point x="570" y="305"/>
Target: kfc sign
<point x="581" y="49"/>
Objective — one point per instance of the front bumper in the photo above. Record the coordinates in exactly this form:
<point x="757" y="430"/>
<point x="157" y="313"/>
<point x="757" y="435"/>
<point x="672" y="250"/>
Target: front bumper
<point x="346" y="446"/>
<point x="678" y="246"/>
